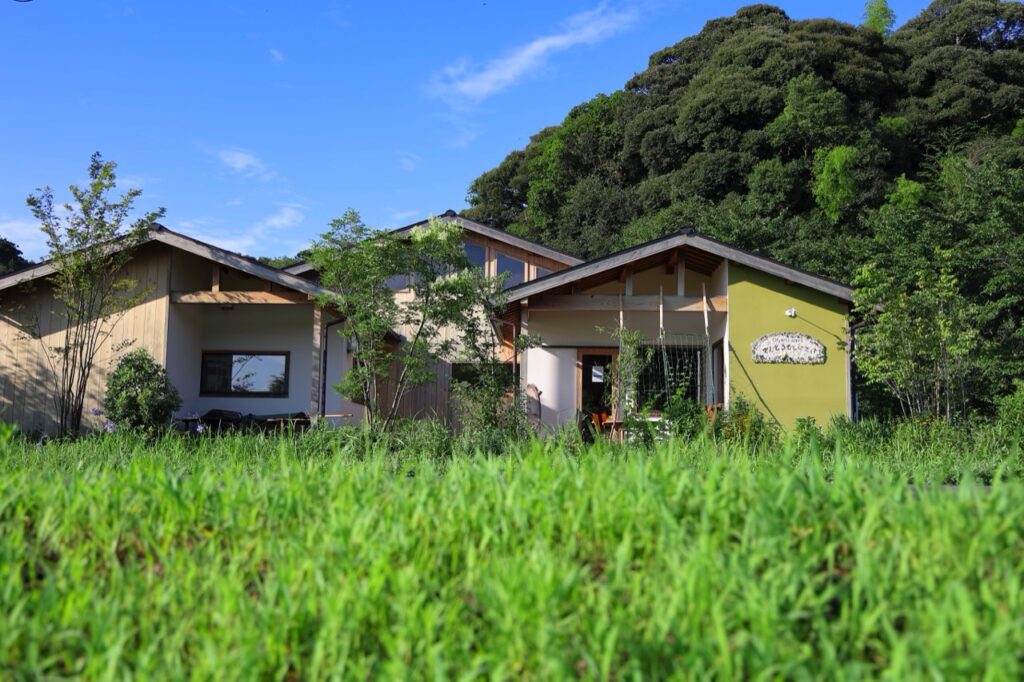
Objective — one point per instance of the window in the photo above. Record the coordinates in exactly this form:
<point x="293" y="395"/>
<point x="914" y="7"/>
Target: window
<point x="515" y="268"/>
<point x="473" y="374"/>
<point x="542" y="272"/>
<point x="245" y="374"/>
<point x="475" y="254"/>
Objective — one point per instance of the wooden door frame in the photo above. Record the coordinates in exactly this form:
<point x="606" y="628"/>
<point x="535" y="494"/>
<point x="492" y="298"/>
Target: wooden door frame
<point x="589" y="350"/>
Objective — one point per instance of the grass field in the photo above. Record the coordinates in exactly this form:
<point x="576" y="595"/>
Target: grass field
<point x="241" y="557"/>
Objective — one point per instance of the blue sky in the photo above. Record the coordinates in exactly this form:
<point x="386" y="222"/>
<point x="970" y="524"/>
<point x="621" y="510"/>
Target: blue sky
<point x="255" y="123"/>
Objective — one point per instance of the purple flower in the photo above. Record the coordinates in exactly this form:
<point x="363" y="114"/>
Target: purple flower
<point x="97" y="412"/>
<point x="109" y="426"/>
<point x="200" y="428"/>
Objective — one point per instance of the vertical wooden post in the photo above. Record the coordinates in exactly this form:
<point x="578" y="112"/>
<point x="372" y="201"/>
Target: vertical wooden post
<point x="661" y="310"/>
<point x="215" y="278"/>
<point x="315" y="408"/>
<point x="708" y="365"/>
<point x="681" y="277"/>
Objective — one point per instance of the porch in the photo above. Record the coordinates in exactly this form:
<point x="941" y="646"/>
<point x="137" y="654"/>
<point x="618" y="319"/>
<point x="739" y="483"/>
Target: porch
<point x="240" y="344"/>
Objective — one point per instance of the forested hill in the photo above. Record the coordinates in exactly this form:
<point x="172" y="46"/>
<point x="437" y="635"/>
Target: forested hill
<point x="816" y="141"/>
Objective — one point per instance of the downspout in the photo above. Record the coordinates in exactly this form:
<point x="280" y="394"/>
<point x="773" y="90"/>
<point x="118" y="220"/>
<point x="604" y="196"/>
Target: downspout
<point x="851" y="371"/>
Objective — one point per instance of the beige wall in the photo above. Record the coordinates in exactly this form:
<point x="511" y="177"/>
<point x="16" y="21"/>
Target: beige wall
<point x="581" y="328"/>
<point x="26" y="377"/>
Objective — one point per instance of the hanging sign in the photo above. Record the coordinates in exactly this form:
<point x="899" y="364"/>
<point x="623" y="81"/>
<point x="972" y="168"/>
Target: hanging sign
<point x="788" y="348"/>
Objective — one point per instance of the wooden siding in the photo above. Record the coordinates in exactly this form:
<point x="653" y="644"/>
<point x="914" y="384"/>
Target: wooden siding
<point x="26" y="377"/>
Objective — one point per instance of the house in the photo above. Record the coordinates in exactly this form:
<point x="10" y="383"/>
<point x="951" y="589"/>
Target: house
<point x="715" y="322"/>
<point x="232" y="333"/>
<point x="238" y="335"/>
<point x="498" y="253"/>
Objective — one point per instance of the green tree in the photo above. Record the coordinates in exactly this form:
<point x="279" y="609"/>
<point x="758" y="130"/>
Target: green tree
<point x="10" y="257"/>
<point x="447" y="312"/>
<point x="879" y="17"/>
<point x="920" y="342"/>
<point x="835" y="182"/>
<point x="90" y="243"/>
<point x="815" y="114"/>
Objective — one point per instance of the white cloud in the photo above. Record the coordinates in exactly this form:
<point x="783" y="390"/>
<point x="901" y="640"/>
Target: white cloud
<point x="338" y="15"/>
<point x="409" y="162"/>
<point x="276" y="55"/>
<point x="233" y="202"/>
<point x="267" y="236"/>
<point x="404" y="216"/>
<point x="286" y="216"/>
<point x="245" y="163"/>
<point x="26" y="234"/>
<point x="476" y="83"/>
<point x="133" y="181"/>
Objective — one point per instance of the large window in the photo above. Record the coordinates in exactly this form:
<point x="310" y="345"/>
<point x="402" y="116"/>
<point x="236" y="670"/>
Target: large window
<point x="515" y="268"/>
<point x="253" y="374"/>
<point x="476" y="254"/>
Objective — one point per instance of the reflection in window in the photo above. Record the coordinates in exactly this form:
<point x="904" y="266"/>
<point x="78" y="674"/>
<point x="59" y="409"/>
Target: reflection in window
<point x="245" y="374"/>
<point x="474" y="374"/>
<point x="475" y="254"/>
<point x="515" y="268"/>
<point x="542" y="272"/>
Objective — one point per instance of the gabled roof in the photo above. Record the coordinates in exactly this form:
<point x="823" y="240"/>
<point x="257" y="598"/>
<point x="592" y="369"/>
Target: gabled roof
<point x="161" y="234"/>
<point x="475" y="228"/>
<point x="684" y="238"/>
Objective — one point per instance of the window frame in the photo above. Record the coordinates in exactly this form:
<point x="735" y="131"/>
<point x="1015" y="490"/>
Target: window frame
<point x="238" y="394"/>
<point x="524" y="275"/>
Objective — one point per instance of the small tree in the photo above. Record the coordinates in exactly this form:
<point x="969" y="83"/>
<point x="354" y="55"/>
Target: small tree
<point x="879" y="17"/>
<point x="835" y="181"/>
<point x="920" y="343"/>
<point x="89" y="245"/>
<point x="446" y="311"/>
<point x="139" y="395"/>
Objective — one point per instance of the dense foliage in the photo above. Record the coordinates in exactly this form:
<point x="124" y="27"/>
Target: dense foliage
<point x="315" y="558"/>
<point x="826" y="145"/>
<point x="10" y="257"/>
<point x="139" y="394"/>
<point x="418" y="284"/>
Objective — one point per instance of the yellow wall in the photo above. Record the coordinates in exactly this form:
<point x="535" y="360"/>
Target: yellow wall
<point x="785" y="392"/>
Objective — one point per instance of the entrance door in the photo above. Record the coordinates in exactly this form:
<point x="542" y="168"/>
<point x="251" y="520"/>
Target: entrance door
<point x="595" y="381"/>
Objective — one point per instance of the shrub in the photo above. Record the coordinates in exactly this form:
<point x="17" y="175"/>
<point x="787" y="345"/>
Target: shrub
<point x="807" y="435"/>
<point x="744" y="423"/>
<point x="687" y="416"/>
<point x="139" y="396"/>
<point x="1011" y="412"/>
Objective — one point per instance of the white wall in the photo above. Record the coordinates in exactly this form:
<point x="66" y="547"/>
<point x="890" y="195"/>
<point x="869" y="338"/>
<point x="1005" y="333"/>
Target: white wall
<point x="553" y="371"/>
<point x="184" y="352"/>
<point x="337" y="363"/>
<point x="197" y="328"/>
